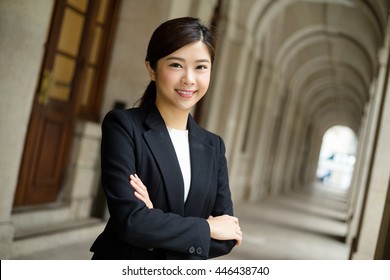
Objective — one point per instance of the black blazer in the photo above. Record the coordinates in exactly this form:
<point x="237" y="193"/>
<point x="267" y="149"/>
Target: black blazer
<point x="136" y="141"/>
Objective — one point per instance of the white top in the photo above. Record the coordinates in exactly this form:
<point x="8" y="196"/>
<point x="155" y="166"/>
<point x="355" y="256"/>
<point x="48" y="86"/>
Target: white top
<point x="180" y="143"/>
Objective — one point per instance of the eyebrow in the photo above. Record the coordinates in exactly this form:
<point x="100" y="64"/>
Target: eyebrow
<point x="182" y="59"/>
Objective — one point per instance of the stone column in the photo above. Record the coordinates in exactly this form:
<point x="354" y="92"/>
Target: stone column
<point x="83" y="178"/>
<point x="241" y="158"/>
<point x="257" y="142"/>
<point x="375" y="222"/>
<point x="264" y="131"/>
<point x="23" y="30"/>
<point x="358" y="187"/>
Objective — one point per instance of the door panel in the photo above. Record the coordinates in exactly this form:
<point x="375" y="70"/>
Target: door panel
<point x="47" y="168"/>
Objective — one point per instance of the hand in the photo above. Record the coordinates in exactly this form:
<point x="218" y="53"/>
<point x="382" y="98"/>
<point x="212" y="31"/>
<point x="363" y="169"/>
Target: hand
<point x="225" y="227"/>
<point x="141" y="192"/>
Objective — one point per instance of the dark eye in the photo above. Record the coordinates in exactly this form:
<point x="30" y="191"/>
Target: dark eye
<point x="176" y="65"/>
<point x="202" y="67"/>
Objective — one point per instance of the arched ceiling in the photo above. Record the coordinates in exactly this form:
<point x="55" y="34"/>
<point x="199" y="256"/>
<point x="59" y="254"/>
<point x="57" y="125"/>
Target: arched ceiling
<point x="325" y="52"/>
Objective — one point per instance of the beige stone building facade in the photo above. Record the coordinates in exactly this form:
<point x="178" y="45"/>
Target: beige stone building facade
<point x="285" y="72"/>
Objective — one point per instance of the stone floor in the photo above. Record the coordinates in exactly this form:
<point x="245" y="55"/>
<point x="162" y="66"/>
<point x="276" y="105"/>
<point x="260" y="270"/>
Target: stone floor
<point x="304" y="225"/>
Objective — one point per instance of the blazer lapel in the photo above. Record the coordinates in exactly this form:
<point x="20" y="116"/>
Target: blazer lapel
<point x="161" y="146"/>
<point x="202" y="162"/>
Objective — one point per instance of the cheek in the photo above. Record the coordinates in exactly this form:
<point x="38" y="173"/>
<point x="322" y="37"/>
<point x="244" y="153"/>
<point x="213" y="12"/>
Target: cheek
<point x="204" y="82"/>
<point x="168" y="79"/>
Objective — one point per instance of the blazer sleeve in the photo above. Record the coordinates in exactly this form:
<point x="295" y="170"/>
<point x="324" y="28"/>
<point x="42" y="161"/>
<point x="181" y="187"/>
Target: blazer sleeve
<point x="223" y="204"/>
<point x="134" y="223"/>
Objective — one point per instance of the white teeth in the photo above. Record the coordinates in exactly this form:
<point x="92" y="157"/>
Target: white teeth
<point x="185" y="92"/>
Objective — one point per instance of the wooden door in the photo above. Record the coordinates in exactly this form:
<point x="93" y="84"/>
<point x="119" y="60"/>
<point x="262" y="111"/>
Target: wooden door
<point x="76" y="54"/>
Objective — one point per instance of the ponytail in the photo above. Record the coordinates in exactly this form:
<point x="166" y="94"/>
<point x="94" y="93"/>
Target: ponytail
<point x="149" y="96"/>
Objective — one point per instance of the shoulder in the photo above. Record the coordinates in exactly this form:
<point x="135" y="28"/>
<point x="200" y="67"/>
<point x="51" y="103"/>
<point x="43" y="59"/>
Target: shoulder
<point x="126" y="113"/>
<point x="132" y="115"/>
<point x="215" y="139"/>
<point x="124" y="120"/>
<point x="209" y="137"/>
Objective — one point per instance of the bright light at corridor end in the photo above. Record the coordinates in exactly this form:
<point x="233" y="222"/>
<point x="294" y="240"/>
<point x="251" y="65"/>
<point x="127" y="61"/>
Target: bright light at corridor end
<point x="337" y="157"/>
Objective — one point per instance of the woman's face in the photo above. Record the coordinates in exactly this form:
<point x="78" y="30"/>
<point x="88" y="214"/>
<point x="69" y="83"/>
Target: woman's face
<point x="182" y="77"/>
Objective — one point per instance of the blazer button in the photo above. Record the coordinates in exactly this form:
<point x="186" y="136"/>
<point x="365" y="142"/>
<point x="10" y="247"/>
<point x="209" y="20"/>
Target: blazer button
<point x="199" y="251"/>
<point x="191" y="250"/>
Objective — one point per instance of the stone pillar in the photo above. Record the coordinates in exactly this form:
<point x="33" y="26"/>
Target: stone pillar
<point x="282" y="166"/>
<point x="83" y="178"/>
<point x="294" y="151"/>
<point x="376" y="212"/>
<point x="23" y="30"/>
<point x="241" y="156"/>
<point x="358" y="187"/>
<point x="264" y="132"/>
<point x="261" y="130"/>
<point x="300" y="155"/>
<point x="313" y="141"/>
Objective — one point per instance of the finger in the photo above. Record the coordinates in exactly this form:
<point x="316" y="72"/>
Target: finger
<point x="145" y="201"/>
<point x="139" y="181"/>
<point x="140" y="197"/>
<point x="130" y="178"/>
<point x="136" y="181"/>
<point x="139" y="193"/>
<point x="135" y="185"/>
<point x="133" y="178"/>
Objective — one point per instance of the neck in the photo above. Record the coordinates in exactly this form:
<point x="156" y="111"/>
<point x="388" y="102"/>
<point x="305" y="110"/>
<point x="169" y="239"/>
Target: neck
<point x="174" y="118"/>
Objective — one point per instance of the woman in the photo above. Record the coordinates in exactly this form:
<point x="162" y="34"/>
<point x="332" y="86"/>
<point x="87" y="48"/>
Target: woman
<point x="182" y="208"/>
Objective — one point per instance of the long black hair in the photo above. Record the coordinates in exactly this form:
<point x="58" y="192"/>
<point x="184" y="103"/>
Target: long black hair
<point x="169" y="37"/>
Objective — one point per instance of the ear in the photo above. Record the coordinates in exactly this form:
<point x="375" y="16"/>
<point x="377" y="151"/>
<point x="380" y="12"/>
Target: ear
<point x="151" y="72"/>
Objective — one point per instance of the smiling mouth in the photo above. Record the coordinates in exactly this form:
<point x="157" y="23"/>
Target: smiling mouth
<point x="186" y="93"/>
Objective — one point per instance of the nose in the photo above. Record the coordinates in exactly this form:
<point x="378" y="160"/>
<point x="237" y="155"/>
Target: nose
<point x="188" y="77"/>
